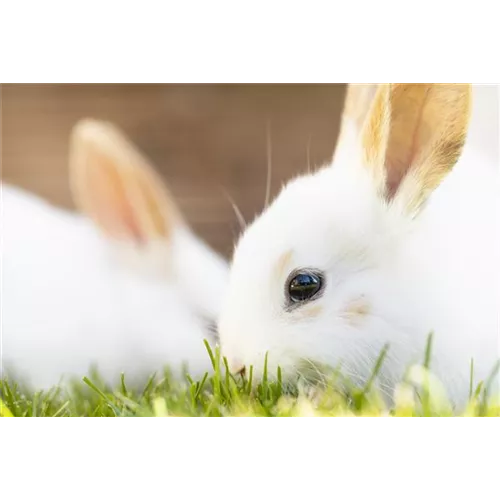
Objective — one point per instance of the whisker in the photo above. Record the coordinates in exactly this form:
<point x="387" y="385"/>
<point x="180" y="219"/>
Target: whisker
<point x="239" y="216"/>
<point x="308" y="154"/>
<point x="269" y="164"/>
<point x="360" y="377"/>
<point x="319" y="375"/>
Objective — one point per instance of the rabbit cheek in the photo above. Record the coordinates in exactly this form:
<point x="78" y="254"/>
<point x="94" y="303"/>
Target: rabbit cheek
<point x="311" y="312"/>
<point x="356" y="311"/>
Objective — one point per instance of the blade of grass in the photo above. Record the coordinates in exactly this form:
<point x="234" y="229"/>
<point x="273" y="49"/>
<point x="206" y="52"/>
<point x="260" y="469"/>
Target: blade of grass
<point x="200" y="386"/>
<point x="122" y="383"/>
<point x="226" y="367"/>
<point x="264" y="385"/>
<point x="487" y="386"/>
<point x="250" y="380"/>
<point x="280" y="382"/>
<point x="106" y="399"/>
<point x="428" y="350"/>
<point x="61" y="409"/>
<point x="210" y="352"/>
<point x="427" y="362"/>
<point x="4" y="411"/>
<point x="34" y="404"/>
<point x="471" y="379"/>
<point x="147" y="387"/>
<point x="376" y="369"/>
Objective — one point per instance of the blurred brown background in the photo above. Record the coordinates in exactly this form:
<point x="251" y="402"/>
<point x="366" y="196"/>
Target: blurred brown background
<point x="202" y="138"/>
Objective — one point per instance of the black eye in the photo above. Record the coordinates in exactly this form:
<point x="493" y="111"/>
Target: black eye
<point x="304" y="285"/>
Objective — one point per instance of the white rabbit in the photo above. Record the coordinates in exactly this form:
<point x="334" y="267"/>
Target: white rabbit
<point x="125" y="287"/>
<point x="352" y="257"/>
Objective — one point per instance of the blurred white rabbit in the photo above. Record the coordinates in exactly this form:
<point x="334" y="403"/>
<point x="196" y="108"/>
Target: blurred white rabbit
<point x="398" y="237"/>
<point x="125" y="287"/>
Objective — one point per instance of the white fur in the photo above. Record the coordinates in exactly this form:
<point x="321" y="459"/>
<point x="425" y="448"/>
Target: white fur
<point x="437" y="273"/>
<point x="484" y="128"/>
<point x="70" y="299"/>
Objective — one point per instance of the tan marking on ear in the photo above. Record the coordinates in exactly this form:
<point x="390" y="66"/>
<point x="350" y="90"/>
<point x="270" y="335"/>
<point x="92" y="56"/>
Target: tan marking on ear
<point x="114" y="184"/>
<point x="416" y="129"/>
<point x="355" y="311"/>
<point x="309" y="312"/>
<point x="375" y="135"/>
<point x="282" y="265"/>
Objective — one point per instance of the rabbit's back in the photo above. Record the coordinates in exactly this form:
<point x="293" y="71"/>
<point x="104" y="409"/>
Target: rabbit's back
<point x="454" y="266"/>
<point x="45" y="246"/>
<point x="48" y="286"/>
<point x="484" y="127"/>
<point x="67" y="304"/>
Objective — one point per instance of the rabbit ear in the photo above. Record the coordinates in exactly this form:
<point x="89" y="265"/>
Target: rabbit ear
<point x="357" y="101"/>
<point x="114" y="184"/>
<point x="357" y="104"/>
<point x="412" y="137"/>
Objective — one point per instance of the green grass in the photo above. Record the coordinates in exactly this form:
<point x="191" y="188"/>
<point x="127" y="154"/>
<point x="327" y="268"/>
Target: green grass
<point x="220" y="394"/>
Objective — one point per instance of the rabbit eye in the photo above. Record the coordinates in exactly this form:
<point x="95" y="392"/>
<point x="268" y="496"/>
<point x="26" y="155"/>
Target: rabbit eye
<point x="303" y="286"/>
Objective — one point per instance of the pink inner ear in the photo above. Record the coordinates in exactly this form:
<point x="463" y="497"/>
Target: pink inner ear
<point x="397" y="167"/>
<point x="407" y="128"/>
<point x="134" y="230"/>
<point x="111" y="204"/>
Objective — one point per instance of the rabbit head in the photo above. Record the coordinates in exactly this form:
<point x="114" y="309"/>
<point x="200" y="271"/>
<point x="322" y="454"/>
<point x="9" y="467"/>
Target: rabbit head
<point x="314" y="279"/>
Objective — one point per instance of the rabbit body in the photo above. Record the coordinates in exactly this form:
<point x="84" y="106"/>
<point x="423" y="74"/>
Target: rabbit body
<point x="68" y="302"/>
<point x="73" y="297"/>
<point x="452" y="284"/>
